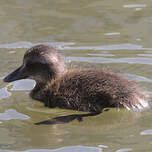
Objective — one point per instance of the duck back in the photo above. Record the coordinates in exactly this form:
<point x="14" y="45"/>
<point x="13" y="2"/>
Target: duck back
<point x="92" y="90"/>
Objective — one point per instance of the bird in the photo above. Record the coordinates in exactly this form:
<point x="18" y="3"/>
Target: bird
<point x="89" y="90"/>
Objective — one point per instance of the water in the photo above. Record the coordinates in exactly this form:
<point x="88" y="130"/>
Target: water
<point x="113" y="35"/>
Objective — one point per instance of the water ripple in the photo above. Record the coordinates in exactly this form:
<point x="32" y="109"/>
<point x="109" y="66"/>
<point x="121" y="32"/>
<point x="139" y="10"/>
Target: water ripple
<point x="145" y="55"/>
<point x="4" y="93"/>
<point x="134" y="5"/>
<point x="112" y="33"/>
<point x="103" y="54"/>
<point x="63" y="46"/>
<point x="126" y="46"/>
<point x="64" y="149"/>
<point x="12" y="114"/>
<point x="124" y="150"/>
<point x="146" y="132"/>
<point x="137" y="60"/>
<point x="137" y="78"/>
<point x="29" y="44"/>
<point x="25" y="84"/>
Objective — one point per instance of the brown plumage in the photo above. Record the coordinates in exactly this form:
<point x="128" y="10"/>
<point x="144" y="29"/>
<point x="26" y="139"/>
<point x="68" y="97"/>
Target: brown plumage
<point x="83" y="90"/>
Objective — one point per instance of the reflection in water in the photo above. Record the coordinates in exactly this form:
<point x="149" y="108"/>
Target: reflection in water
<point x="67" y="119"/>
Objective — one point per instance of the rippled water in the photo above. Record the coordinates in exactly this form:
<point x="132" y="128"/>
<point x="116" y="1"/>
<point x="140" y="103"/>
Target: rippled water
<point x="113" y="35"/>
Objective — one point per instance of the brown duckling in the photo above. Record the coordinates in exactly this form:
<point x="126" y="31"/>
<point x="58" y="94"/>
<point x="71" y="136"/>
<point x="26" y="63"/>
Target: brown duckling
<point x="80" y="89"/>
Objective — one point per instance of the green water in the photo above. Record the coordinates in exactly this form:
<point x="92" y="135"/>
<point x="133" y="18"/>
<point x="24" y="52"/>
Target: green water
<point x="107" y="34"/>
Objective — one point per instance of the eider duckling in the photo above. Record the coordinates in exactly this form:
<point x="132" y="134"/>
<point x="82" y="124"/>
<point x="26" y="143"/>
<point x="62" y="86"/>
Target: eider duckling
<point x="78" y="89"/>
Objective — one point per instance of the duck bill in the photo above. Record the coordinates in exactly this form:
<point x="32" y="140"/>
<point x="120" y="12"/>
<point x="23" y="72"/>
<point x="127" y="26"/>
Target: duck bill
<point x="18" y="74"/>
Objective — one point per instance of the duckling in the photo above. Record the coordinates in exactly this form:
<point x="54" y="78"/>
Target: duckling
<point x="78" y="89"/>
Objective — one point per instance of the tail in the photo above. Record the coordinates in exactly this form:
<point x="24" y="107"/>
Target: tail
<point x="142" y="105"/>
<point x="139" y="103"/>
<point x="67" y="119"/>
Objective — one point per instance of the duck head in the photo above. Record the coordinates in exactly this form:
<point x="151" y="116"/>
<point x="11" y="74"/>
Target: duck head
<point x="40" y="63"/>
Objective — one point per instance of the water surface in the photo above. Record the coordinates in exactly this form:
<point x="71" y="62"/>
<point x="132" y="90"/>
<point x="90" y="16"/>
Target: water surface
<point x="113" y="35"/>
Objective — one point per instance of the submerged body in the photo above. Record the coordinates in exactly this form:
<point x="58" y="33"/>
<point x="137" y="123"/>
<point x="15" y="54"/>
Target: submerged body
<point x="83" y="90"/>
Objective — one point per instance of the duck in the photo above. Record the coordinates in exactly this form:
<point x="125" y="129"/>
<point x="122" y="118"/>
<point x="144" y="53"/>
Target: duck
<point x="89" y="90"/>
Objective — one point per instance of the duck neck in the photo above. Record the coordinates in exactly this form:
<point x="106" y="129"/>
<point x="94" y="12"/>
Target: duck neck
<point x="38" y="92"/>
<point x="41" y="88"/>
